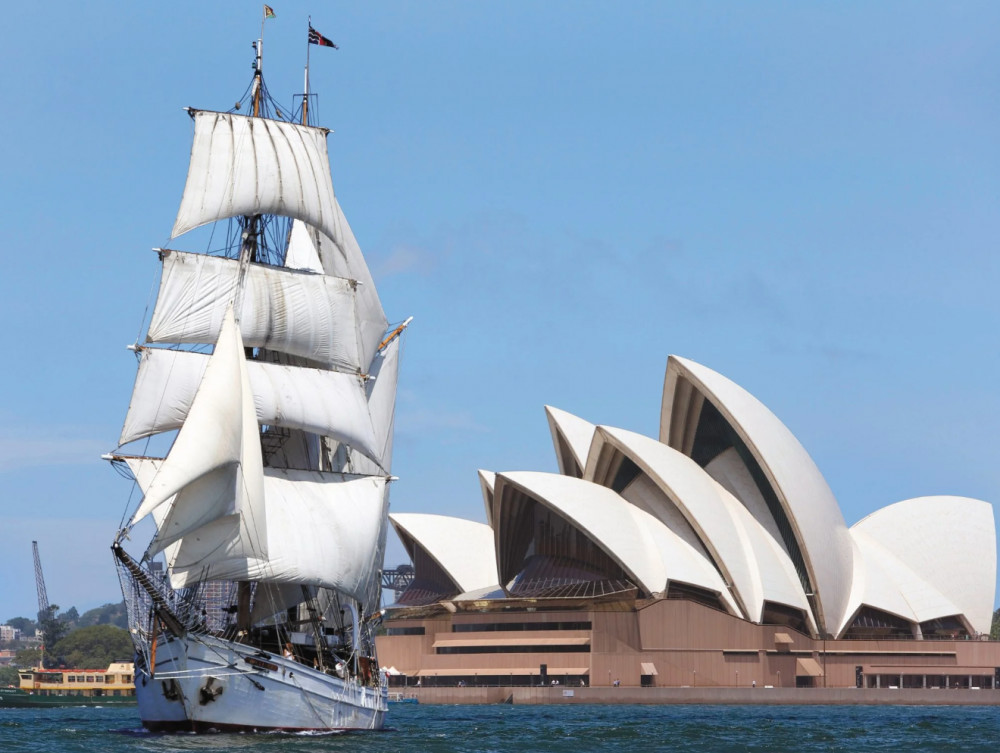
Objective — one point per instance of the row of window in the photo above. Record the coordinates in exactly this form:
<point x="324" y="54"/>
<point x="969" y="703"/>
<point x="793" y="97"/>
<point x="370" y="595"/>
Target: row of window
<point x="106" y="679"/>
<point x="404" y="631"/>
<point x="574" y="649"/>
<point x="499" y="627"/>
<point x="472" y="627"/>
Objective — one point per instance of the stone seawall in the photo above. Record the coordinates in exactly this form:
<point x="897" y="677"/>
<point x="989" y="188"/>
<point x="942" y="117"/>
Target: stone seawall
<point x="717" y="696"/>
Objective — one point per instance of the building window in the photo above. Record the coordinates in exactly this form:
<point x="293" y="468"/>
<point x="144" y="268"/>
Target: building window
<point x="404" y="631"/>
<point x="873" y="624"/>
<point x="504" y="627"/>
<point x="572" y="649"/>
<point x="687" y="592"/>
<point x="546" y="555"/>
<point x="782" y="614"/>
<point x="944" y="628"/>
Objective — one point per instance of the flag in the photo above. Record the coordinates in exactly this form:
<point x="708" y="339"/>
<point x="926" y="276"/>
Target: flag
<point x="316" y="38"/>
<point x="269" y="12"/>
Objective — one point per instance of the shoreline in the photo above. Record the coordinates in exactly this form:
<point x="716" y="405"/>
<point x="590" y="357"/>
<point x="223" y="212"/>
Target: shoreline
<point x="701" y="696"/>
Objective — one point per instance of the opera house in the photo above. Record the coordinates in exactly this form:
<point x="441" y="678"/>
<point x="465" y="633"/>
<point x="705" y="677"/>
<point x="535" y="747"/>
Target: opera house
<point x="715" y="555"/>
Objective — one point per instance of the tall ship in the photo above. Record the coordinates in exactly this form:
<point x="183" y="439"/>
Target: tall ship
<point x="251" y="564"/>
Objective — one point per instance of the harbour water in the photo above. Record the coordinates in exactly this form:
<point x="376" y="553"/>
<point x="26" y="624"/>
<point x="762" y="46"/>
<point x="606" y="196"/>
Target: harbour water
<point x="542" y="729"/>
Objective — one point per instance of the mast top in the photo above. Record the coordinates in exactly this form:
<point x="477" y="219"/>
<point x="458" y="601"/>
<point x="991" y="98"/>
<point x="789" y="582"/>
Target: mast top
<point x="258" y="73"/>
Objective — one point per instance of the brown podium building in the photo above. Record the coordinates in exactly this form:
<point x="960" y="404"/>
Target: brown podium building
<point x="715" y="555"/>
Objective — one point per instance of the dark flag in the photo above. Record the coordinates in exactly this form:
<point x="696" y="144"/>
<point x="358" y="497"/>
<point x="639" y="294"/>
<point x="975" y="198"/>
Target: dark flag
<point x="316" y="38"/>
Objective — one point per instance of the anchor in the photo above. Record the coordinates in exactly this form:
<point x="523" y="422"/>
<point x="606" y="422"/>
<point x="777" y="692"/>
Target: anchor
<point x="208" y="692"/>
<point x="170" y="688"/>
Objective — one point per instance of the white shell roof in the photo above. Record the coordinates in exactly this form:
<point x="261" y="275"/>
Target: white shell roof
<point x="572" y="433"/>
<point x="646" y="549"/>
<point x="807" y="500"/>
<point x="948" y="542"/>
<point x="486" y="481"/>
<point x="750" y="559"/>
<point x="883" y="582"/>
<point x="462" y="548"/>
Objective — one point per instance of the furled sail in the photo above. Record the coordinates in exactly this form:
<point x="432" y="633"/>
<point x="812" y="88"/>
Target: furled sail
<point x="213" y="475"/>
<point x="246" y="166"/>
<point x="299" y="313"/>
<point x="322" y="530"/>
<point x="327" y="403"/>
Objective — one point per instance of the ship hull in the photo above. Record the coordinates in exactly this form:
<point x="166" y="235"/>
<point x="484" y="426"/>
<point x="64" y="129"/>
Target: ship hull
<point x="206" y="684"/>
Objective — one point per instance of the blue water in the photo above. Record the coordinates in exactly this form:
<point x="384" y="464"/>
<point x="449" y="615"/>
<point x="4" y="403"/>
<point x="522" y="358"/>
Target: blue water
<point x="544" y="729"/>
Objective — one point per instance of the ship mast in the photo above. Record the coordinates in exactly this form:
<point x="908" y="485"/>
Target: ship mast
<point x="258" y="73"/>
<point x="305" y="96"/>
<point x="249" y="242"/>
<point x="248" y="253"/>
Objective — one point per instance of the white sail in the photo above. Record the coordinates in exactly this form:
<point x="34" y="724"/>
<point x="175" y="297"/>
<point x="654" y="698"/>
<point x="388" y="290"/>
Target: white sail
<point x="299" y="313"/>
<point x="382" y="399"/>
<point x="214" y="471"/>
<point x="382" y="408"/>
<point x="322" y="530"/>
<point x="339" y="256"/>
<point x="302" y="252"/>
<point x="247" y="166"/>
<point x="327" y="403"/>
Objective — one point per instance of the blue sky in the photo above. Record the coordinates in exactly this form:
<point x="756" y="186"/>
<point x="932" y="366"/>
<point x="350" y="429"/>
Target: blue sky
<point x="801" y="196"/>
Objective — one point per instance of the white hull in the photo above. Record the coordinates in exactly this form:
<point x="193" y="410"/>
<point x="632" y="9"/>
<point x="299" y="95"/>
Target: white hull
<point x="201" y="683"/>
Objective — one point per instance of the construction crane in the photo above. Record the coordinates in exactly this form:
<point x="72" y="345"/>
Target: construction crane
<point x="43" y="598"/>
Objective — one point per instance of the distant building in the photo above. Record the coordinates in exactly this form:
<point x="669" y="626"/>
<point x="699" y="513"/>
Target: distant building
<point x="713" y="555"/>
<point x="8" y="634"/>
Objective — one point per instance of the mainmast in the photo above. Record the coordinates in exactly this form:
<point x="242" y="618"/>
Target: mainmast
<point x="258" y="74"/>
<point x="251" y="230"/>
<point x="305" y="96"/>
<point x="248" y="253"/>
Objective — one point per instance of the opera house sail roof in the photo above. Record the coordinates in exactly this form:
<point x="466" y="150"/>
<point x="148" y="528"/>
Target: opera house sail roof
<point x="725" y="508"/>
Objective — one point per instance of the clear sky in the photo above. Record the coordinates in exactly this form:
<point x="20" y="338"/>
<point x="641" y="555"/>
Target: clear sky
<point x="802" y="196"/>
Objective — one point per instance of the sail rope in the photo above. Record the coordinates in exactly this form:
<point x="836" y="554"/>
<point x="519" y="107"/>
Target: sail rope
<point x="305" y="696"/>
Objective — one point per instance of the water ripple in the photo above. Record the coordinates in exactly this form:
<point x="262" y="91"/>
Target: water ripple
<point x="542" y="729"/>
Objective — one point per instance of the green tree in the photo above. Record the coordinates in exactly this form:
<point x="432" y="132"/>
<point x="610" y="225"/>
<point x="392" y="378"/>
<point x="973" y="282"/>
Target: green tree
<point x="26" y="626"/>
<point x="8" y="677"/>
<point x="28" y="657"/>
<point x="70" y="616"/>
<point x="93" y="647"/>
<point x="108" y="614"/>
<point x="53" y="629"/>
<point x="995" y="626"/>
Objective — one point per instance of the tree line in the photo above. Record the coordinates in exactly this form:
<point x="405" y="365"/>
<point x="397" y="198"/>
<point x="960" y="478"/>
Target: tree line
<point x="72" y="641"/>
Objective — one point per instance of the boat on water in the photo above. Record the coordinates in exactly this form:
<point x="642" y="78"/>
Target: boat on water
<point x="41" y="688"/>
<point x="269" y="369"/>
